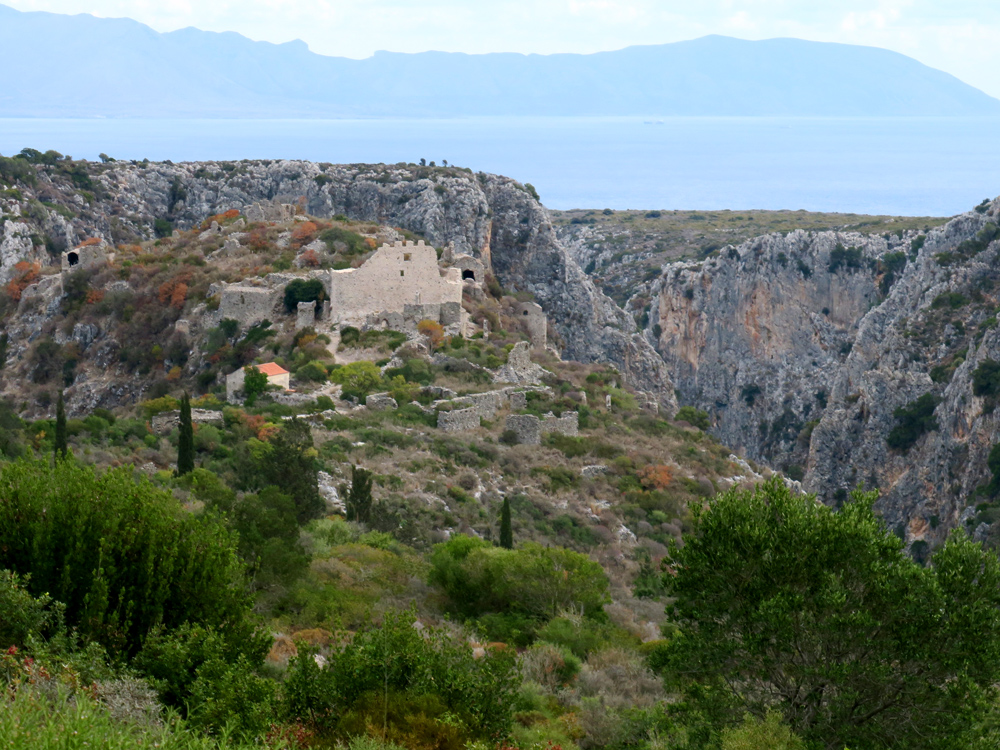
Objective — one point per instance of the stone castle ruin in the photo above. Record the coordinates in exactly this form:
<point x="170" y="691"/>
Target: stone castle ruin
<point x="398" y="286"/>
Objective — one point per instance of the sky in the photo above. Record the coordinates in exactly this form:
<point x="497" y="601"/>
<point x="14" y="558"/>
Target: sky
<point x="961" y="37"/>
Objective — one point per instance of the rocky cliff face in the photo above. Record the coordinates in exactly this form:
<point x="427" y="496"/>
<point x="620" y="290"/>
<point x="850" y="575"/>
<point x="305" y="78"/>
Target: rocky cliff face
<point x="802" y="347"/>
<point x="492" y="217"/>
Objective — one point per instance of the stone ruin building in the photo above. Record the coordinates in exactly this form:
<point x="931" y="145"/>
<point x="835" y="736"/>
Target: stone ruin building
<point x="87" y="256"/>
<point x="398" y="286"/>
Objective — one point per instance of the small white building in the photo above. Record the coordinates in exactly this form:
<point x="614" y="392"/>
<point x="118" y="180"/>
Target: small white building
<point x="276" y="375"/>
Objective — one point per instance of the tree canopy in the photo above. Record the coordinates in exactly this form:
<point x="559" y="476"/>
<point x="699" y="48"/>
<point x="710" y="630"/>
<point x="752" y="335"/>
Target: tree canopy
<point x="120" y="554"/>
<point x="785" y="604"/>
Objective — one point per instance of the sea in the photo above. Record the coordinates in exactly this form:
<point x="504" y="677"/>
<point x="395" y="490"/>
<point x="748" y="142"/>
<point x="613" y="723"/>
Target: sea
<point x="899" y="166"/>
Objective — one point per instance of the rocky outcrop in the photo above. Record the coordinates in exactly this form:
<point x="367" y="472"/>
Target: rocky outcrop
<point x="802" y="347"/>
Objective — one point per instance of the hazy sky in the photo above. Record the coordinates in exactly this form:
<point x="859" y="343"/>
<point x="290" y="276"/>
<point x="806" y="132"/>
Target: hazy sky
<point x="959" y="36"/>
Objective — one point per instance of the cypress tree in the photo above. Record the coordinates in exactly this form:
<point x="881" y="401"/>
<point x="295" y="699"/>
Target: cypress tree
<point x="185" y="441"/>
<point x="506" y="532"/>
<point x="359" y="499"/>
<point x="61" y="448"/>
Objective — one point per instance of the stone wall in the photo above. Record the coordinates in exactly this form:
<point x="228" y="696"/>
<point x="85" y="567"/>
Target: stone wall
<point x="395" y="276"/>
<point x="567" y="424"/>
<point x="86" y="256"/>
<point x="535" y="324"/>
<point x="306" y="315"/>
<point x="527" y="427"/>
<point x="458" y="420"/>
<point x="519" y="367"/>
<point x="247" y="304"/>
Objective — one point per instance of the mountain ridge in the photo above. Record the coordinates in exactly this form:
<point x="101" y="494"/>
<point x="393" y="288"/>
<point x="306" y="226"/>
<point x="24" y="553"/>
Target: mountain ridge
<point x="95" y="67"/>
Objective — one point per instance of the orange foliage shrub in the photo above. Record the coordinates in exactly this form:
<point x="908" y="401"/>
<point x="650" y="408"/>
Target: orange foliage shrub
<point x="94" y="296"/>
<point x="90" y="241"/>
<point x="258" y="240"/>
<point x="371" y="243"/>
<point x="310" y="259"/>
<point x="432" y="330"/>
<point x="175" y="373"/>
<point x="656" y="477"/>
<point x="221" y="218"/>
<point x="304" y="231"/>
<point x="25" y="274"/>
<point x="174" y="292"/>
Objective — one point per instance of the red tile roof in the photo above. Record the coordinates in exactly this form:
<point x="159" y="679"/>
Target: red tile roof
<point x="270" y="369"/>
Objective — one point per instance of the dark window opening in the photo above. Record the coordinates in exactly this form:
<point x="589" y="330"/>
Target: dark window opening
<point x="525" y="313"/>
<point x="468" y="274"/>
<point x="73" y="259"/>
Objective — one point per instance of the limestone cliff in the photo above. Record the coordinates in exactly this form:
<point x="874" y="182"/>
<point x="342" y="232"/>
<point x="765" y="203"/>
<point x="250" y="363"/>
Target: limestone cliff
<point x="492" y="217"/>
<point x="801" y="348"/>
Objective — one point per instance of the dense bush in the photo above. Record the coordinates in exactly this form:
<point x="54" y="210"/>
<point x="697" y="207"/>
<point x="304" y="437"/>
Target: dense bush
<point x="849" y="258"/>
<point x="532" y="581"/>
<point x="787" y="605"/>
<point x="694" y="417"/>
<point x="119" y="554"/>
<point x="357" y="379"/>
<point x="415" y="683"/>
<point x="344" y="240"/>
<point x="912" y="421"/>
<point x="986" y="378"/>
<point x="301" y="290"/>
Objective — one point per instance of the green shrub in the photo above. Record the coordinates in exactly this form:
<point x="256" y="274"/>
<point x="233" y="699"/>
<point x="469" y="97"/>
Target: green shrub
<point x="302" y="290"/>
<point x="986" y="378"/>
<point x="761" y="570"/>
<point x="849" y="258"/>
<point x="357" y="378"/>
<point x="912" y="421"/>
<point x="418" y="672"/>
<point x="314" y="371"/>
<point x="753" y="734"/>
<point x="195" y="670"/>
<point x="694" y="417"/>
<point x="952" y="300"/>
<point x="532" y="580"/>
<point x="162" y="228"/>
<point x="354" y="244"/>
<point x="120" y="554"/>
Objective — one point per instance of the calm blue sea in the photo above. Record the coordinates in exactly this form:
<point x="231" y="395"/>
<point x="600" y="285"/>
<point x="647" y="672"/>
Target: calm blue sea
<point x="906" y="166"/>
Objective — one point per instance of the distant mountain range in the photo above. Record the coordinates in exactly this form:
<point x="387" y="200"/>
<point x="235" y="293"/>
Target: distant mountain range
<point x="81" y="66"/>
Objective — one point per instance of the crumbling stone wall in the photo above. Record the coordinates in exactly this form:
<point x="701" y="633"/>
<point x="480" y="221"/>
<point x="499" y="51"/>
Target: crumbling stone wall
<point x="519" y="367"/>
<point x="534" y="322"/>
<point x="567" y="424"/>
<point x="458" y="420"/>
<point x="527" y="428"/>
<point x="247" y="304"/>
<point x="305" y="315"/>
<point x="397" y="275"/>
<point x="86" y="256"/>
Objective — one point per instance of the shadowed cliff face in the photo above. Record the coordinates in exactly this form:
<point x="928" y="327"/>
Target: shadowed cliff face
<point x="802" y="347"/>
<point x="492" y="217"/>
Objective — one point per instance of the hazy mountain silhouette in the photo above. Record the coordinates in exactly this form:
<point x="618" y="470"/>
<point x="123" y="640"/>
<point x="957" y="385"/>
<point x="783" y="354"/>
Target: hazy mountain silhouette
<point x="82" y="66"/>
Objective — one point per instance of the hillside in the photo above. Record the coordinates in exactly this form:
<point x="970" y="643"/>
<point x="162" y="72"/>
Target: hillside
<point x="303" y="455"/>
<point x="376" y="427"/>
<point x="120" y="68"/>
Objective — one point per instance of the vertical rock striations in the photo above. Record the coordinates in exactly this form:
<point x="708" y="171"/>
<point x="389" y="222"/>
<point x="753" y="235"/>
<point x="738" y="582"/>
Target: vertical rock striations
<point x="802" y="347"/>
